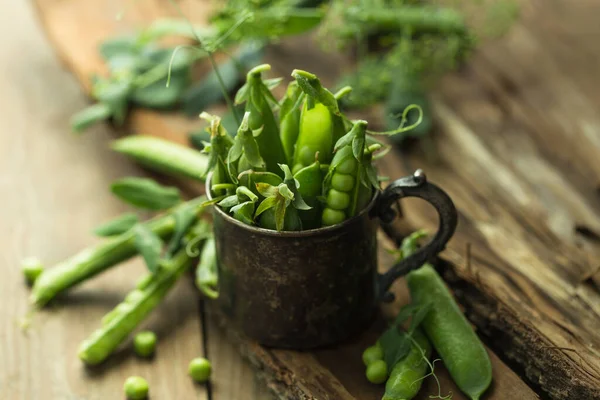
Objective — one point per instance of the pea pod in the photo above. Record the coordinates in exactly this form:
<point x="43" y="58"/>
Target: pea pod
<point x="448" y="329"/>
<point x="321" y="123"/>
<point x="345" y="188"/>
<point x="245" y="148"/>
<point x="94" y="260"/>
<point x="310" y="181"/>
<point x="315" y="136"/>
<point x="132" y="311"/>
<point x="206" y="271"/>
<point x="218" y="150"/>
<point x="406" y="377"/>
<point x="163" y="156"/>
<point x="289" y="116"/>
<point x="257" y="95"/>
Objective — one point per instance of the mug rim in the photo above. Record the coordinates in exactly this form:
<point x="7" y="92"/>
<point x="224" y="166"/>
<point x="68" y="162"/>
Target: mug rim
<point x="292" y="234"/>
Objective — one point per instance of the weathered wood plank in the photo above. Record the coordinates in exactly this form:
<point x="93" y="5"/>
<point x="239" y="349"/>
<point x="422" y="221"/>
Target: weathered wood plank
<point x="509" y="264"/>
<point x="518" y="153"/>
<point x="54" y="192"/>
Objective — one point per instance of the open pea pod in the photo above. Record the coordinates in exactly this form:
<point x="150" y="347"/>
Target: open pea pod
<point x="257" y="97"/>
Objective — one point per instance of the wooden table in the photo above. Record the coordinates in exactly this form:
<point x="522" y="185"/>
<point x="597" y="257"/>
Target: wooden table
<point x="54" y="190"/>
<point x="517" y="147"/>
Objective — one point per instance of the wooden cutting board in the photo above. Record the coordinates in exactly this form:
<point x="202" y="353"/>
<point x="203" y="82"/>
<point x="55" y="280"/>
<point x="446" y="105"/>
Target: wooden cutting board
<point x="515" y="146"/>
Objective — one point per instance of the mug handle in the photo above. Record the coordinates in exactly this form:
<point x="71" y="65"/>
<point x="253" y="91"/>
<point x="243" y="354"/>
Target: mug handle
<point x="415" y="186"/>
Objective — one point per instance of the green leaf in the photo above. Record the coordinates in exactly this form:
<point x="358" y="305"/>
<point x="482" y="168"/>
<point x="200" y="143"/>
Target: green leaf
<point x="266" y="190"/>
<point x="235" y="152"/>
<point x="252" y="152"/>
<point x="285" y="192"/>
<point x="229" y="201"/>
<point x="160" y="96"/>
<point x="119" y="225"/>
<point x="272" y="83"/>
<point x="114" y="93"/>
<point x="345" y="140"/>
<point x="293" y="185"/>
<point x="372" y="175"/>
<point x="396" y="350"/>
<point x="242" y="94"/>
<point x="291" y="100"/>
<point x="405" y="313"/>
<point x="358" y="147"/>
<point x="90" y="116"/>
<point x="280" y="207"/>
<point x="145" y="193"/>
<point x="184" y="219"/>
<point x="149" y="246"/>
<point x="267" y="203"/>
<point x="418" y="317"/>
<point x="244" y="212"/>
<point x="396" y="345"/>
<point x="115" y="46"/>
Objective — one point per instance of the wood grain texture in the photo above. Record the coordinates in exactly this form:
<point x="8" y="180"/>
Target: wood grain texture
<point x="516" y="147"/>
<point x="518" y="150"/>
<point x="54" y="189"/>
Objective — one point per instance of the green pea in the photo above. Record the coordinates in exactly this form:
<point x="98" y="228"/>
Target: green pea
<point x="200" y="369"/>
<point x="377" y="372"/>
<point x="348" y="166"/>
<point x="32" y="268"/>
<point x="342" y="182"/>
<point x="144" y="343"/>
<point x="338" y="200"/>
<point x="372" y="354"/>
<point x="332" y="217"/>
<point x="136" y="388"/>
<point x="316" y="135"/>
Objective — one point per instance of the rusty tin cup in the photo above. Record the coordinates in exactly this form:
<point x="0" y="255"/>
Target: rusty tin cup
<point x="317" y="287"/>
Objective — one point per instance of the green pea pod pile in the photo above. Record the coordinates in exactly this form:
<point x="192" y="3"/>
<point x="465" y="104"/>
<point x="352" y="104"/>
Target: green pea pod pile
<point x="294" y="164"/>
<point x="437" y="323"/>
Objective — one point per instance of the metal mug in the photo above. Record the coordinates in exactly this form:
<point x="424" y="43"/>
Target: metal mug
<point x="312" y="288"/>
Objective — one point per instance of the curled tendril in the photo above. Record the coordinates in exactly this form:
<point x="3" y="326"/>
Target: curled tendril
<point x="431" y="366"/>
<point x="192" y="248"/>
<point x="175" y="50"/>
<point x="401" y="128"/>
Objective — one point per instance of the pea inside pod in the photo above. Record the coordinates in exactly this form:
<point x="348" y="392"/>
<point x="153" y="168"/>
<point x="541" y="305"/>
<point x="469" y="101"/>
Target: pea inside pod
<point x="315" y="136"/>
